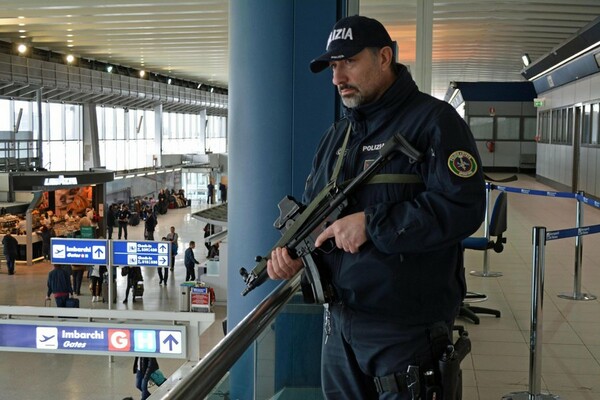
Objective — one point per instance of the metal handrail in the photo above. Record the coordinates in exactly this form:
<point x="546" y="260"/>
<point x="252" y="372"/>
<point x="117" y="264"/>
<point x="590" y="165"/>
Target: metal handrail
<point x="205" y="375"/>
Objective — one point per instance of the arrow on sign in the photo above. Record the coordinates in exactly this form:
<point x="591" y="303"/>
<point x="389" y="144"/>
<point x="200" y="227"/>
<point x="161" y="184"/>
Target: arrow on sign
<point x="163" y="248"/>
<point x="170" y="340"/>
<point x="99" y="252"/>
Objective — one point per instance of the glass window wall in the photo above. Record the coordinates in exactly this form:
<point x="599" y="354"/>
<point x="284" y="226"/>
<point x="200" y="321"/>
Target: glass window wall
<point x="482" y="127"/>
<point x="508" y="128"/>
<point x="5" y="115"/>
<point x="594" y="123"/>
<point x="126" y="137"/>
<point x="529" y="128"/>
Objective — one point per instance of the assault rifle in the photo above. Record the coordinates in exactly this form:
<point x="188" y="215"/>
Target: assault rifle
<point x="301" y="225"/>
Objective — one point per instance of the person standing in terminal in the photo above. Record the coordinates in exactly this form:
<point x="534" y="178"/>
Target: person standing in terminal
<point x="210" y="199"/>
<point x="59" y="284"/>
<point x="111" y="220"/>
<point x="77" y="272"/>
<point x="134" y="275"/>
<point x="190" y="262"/>
<point x="150" y="224"/>
<point x="173" y="237"/>
<point x="397" y="270"/>
<point x="223" y="190"/>
<point x="96" y="274"/>
<point x="10" y="248"/>
<point x="209" y="230"/>
<point x="143" y="367"/>
<point x="46" y="233"/>
<point x="123" y="218"/>
<point x="163" y="272"/>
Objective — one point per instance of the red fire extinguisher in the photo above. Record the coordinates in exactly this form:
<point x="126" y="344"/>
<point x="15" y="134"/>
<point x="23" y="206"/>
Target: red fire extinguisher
<point x="491" y="146"/>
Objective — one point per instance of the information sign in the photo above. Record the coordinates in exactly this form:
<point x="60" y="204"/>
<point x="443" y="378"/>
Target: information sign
<point x="93" y="338"/>
<point x="78" y="251"/>
<point x="141" y="253"/>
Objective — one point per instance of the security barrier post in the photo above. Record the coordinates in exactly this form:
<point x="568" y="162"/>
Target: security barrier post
<point x="536" y="329"/>
<point x="486" y="230"/>
<point x="577" y="295"/>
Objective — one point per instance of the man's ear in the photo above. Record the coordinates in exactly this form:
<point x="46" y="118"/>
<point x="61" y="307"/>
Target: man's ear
<point x="387" y="56"/>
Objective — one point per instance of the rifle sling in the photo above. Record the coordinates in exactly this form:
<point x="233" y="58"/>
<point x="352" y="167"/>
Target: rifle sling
<point x="380" y="178"/>
<point x="395" y="178"/>
<point x="299" y="223"/>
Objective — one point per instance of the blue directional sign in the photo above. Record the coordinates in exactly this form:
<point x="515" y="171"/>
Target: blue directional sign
<point x="141" y="253"/>
<point x="78" y="251"/>
<point x="93" y="338"/>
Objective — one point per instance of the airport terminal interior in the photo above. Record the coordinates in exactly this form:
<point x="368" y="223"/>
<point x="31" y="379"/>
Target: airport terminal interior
<point x="162" y="95"/>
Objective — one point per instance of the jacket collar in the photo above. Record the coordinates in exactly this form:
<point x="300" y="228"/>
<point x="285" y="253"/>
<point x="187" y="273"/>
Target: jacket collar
<point x="394" y="96"/>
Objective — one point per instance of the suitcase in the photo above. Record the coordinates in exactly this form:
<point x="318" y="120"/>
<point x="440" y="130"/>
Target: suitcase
<point x="72" y="302"/>
<point x="138" y="290"/>
<point x="105" y="291"/>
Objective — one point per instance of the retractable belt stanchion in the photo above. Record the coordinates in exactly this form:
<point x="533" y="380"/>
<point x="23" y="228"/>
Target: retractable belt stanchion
<point x="535" y="333"/>
<point x="486" y="230"/>
<point x="577" y="295"/>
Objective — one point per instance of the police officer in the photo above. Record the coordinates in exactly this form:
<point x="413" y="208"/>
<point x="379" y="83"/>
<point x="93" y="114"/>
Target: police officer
<point x="397" y="268"/>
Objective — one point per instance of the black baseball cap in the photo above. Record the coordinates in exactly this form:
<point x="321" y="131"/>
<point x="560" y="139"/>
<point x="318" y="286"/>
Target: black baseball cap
<point x="349" y="37"/>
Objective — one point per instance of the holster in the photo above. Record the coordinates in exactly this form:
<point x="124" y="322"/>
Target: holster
<point x="449" y="367"/>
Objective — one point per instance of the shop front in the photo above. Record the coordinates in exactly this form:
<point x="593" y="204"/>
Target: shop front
<point x="70" y="203"/>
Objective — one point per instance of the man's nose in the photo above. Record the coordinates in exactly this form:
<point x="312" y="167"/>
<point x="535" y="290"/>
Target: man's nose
<point x="339" y="77"/>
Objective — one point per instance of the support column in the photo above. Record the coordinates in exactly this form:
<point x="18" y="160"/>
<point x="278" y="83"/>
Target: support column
<point x="91" y="150"/>
<point x="424" y="45"/>
<point x="158" y="131"/>
<point x="278" y="111"/>
<point x="38" y="104"/>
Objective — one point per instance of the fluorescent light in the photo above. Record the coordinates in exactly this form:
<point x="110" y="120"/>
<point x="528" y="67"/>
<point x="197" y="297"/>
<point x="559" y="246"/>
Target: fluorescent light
<point x="130" y="176"/>
<point x="565" y="61"/>
<point x="453" y="96"/>
<point x="144" y="174"/>
<point x="118" y="177"/>
<point x="526" y="59"/>
<point x="109" y="69"/>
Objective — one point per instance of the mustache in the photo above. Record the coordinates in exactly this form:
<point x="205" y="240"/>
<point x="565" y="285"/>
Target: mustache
<point x="342" y="87"/>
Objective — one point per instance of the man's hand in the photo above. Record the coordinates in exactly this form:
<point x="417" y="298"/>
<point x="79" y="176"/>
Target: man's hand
<point x="349" y="233"/>
<point x="281" y="265"/>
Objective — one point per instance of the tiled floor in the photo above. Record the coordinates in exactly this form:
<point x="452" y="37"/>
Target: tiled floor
<point x="499" y="361"/>
<point x="497" y="365"/>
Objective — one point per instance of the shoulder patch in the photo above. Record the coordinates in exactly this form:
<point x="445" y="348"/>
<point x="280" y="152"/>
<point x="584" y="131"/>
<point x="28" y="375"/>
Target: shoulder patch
<point x="462" y="164"/>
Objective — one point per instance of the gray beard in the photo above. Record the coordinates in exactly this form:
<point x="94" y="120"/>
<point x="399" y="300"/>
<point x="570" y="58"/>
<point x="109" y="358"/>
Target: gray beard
<point x="353" y="101"/>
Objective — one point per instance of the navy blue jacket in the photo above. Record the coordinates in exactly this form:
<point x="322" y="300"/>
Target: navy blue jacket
<point x="10" y="246"/>
<point x="411" y="267"/>
<point x="59" y="281"/>
<point x="189" y="260"/>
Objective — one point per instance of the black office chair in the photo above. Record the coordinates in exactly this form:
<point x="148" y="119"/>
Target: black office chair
<point x="495" y="241"/>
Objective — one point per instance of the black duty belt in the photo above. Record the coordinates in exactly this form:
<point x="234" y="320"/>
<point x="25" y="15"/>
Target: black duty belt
<point x="407" y="382"/>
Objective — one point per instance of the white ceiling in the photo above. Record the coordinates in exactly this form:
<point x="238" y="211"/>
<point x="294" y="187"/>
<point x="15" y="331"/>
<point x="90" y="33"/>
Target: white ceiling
<point x="473" y="40"/>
